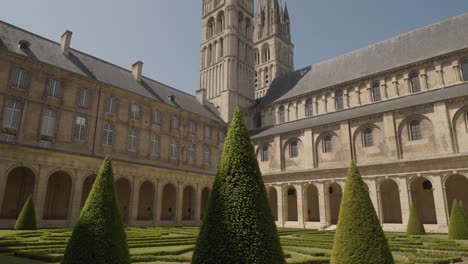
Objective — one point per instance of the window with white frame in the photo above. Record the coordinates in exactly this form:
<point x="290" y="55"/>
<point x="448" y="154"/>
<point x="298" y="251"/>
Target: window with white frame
<point x="132" y="140"/>
<point x="108" y="134"/>
<point x="19" y="79"/>
<point x="175" y="122"/>
<point x="135" y="112"/>
<point x="48" y="122"/>
<point x="156" y="117"/>
<point x="308" y="107"/>
<point x="80" y="128"/>
<point x="7" y="138"/>
<point x="368" y="137"/>
<point x="54" y="88"/>
<point x="174" y="149"/>
<point x="415" y="130"/>
<point x="265" y="154"/>
<point x="12" y="115"/>
<point x="111" y="106"/>
<point x="293" y="150"/>
<point x="327" y="144"/>
<point x="221" y="136"/>
<point x="207" y="156"/>
<point x="192" y="151"/>
<point x="154" y="147"/>
<point x="207" y="132"/>
<point x="84" y="97"/>
<point x="192" y="127"/>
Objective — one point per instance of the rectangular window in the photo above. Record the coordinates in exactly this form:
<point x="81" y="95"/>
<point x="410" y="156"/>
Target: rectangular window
<point x="49" y="118"/>
<point x="157" y="117"/>
<point x="192" y="149"/>
<point x="154" y="145"/>
<point x="175" y="122"/>
<point x="207" y="132"/>
<point x="80" y="128"/>
<point x="19" y="79"/>
<point x="135" y="112"/>
<point x="54" y="88"/>
<point x="12" y="116"/>
<point x="85" y="98"/>
<point x="7" y="138"/>
<point x="221" y="137"/>
<point x="111" y="106"/>
<point x="192" y="128"/>
<point x="174" y="150"/>
<point x="132" y="140"/>
<point x="108" y="134"/>
<point x="207" y="156"/>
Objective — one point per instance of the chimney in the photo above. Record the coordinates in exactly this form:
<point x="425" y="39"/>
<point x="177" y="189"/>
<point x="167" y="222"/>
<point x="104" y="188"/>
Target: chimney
<point x="201" y="96"/>
<point x="137" y="68"/>
<point x="65" y="42"/>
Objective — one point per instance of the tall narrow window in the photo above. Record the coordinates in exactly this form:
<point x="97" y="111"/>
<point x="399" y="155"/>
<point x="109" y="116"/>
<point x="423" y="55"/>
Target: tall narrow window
<point x="132" y="140"/>
<point x="156" y="117"/>
<point x="154" y="147"/>
<point x="174" y="150"/>
<point x="192" y="128"/>
<point x="415" y="130"/>
<point x="85" y="98"/>
<point x="376" y="92"/>
<point x="175" y="122"/>
<point x="339" y="100"/>
<point x="12" y="115"/>
<point x="265" y="156"/>
<point x="54" y="88"/>
<point x="108" y="134"/>
<point x="135" y="112"/>
<point x="192" y="149"/>
<point x="327" y="144"/>
<point x="48" y="123"/>
<point x="207" y="156"/>
<point x="464" y="68"/>
<point x="414" y="82"/>
<point x="293" y="151"/>
<point x="258" y="120"/>
<point x="80" y="128"/>
<point x="207" y="132"/>
<point x="308" y="107"/>
<point x="111" y="106"/>
<point x="281" y="114"/>
<point x="221" y="137"/>
<point x="368" y="138"/>
<point x="19" y="79"/>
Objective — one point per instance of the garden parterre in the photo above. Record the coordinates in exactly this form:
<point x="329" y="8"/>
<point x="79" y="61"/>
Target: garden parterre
<point x="176" y="244"/>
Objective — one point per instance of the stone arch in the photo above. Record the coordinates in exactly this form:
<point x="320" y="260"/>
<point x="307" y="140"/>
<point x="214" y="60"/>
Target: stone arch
<point x="169" y="199"/>
<point x="335" y="194"/>
<point x="204" y="201"/>
<point x="291" y="198"/>
<point x="408" y="149"/>
<point x="146" y="201"/>
<point x="188" y="203"/>
<point x="460" y="127"/>
<point x="422" y="197"/>
<point x="390" y="202"/>
<point x="273" y="200"/>
<point x="86" y="189"/>
<point x="456" y="187"/>
<point x="123" y="191"/>
<point x="58" y="196"/>
<point x="220" y="22"/>
<point x="19" y="186"/>
<point x="313" y="212"/>
<point x="357" y="137"/>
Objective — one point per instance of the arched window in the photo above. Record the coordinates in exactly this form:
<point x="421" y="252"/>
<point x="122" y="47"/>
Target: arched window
<point x="464" y="68"/>
<point x="414" y="82"/>
<point x="415" y="130"/>
<point x="427" y="185"/>
<point x="210" y="28"/>
<point x="293" y="150"/>
<point x="376" y="92"/>
<point x="339" y="100"/>
<point x="281" y="114"/>
<point x="308" y="107"/>
<point x="265" y="156"/>
<point x="327" y="144"/>
<point x="367" y="138"/>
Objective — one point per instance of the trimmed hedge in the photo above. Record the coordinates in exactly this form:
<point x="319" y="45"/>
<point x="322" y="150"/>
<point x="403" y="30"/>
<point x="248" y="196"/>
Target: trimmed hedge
<point x="458" y="227"/>
<point x="359" y="237"/>
<point x="238" y="225"/>
<point x="27" y="218"/>
<point x="99" y="236"/>
<point x="415" y="226"/>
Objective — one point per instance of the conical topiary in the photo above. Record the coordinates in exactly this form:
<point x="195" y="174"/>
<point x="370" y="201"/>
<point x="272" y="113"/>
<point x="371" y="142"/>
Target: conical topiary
<point x="238" y="226"/>
<point x="359" y="237"/>
<point x="458" y="227"/>
<point x="415" y="226"/>
<point x="27" y="218"/>
<point x="99" y="236"/>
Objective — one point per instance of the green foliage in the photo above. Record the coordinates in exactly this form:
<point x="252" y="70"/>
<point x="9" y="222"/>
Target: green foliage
<point x="27" y="218"/>
<point x="359" y="237"/>
<point x="415" y="226"/>
<point x="99" y="236"/>
<point x="458" y="227"/>
<point x="238" y="225"/>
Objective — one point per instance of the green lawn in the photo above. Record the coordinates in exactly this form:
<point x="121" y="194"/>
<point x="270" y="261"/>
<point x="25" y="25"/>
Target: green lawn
<point x="175" y="245"/>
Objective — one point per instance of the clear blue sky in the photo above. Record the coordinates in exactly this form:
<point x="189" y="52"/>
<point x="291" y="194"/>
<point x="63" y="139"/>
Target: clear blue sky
<point x="165" y="34"/>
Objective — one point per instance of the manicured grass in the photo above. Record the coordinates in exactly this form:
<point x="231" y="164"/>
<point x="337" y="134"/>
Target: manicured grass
<point x="172" y="245"/>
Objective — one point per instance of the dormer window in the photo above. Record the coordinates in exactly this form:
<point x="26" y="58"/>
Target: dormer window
<point x="24" y="44"/>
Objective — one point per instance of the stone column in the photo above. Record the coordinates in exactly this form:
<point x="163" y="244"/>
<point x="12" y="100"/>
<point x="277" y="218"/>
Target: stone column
<point x="441" y="212"/>
<point x="440" y="75"/>
<point x="308" y="155"/>
<point x="456" y="71"/>
<point x="3" y="180"/>
<point x="369" y="92"/>
<point x="373" y="194"/>
<point x="40" y="193"/>
<point x="75" y="204"/>
<point x="333" y="99"/>
<point x="322" y="205"/>
<point x="404" y="199"/>
<point x="346" y="99"/>
<point x="300" y="204"/>
<point x="324" y="102"/>
<point x="315" y="104"/>
<point x="135" y="192"/>
<point x="179" y="202"/>
<point x="159" y="195"/>
<point x="407" y="83"/>
<point x="395" y="86"/>
<point x="358" y="95"/>
<point x="280" y="197"/>
<point x="155" y="203"/>
<point x="423" y="79"/>
<point x="198" y="203"/>
<point x="383" y="88"/>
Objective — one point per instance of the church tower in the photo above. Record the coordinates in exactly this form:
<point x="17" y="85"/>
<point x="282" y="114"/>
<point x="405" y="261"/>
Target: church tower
<point x="227" y="55"/>
<point x="274" y="50"/>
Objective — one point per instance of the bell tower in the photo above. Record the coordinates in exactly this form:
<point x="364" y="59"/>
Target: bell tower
<point x="227" y="55"/>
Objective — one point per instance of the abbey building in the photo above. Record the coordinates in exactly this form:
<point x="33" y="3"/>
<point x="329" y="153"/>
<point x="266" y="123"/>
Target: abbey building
<point x="399" y="107"/>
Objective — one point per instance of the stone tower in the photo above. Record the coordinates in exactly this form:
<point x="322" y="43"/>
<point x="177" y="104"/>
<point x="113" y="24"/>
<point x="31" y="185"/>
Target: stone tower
<point x="273" y="47"/>
<point x="227" y="55"/>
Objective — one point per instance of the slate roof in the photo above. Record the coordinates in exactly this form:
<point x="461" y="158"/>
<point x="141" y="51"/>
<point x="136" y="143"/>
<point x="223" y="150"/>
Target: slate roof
<point x="437" y="39"/>
<point x="427" y="97"/>
<point x="47" y="51"/>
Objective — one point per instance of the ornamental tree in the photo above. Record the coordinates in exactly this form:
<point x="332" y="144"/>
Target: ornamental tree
<point x="415" y="226"/>
<point x="27" y="218"/>
<point x="458" y="227"/>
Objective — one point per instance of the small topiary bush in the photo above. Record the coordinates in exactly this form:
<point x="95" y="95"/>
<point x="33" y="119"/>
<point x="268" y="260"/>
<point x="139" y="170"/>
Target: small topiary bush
<point x="27" y="218"/>
<point x="458" y="227"/>
<point x="359" y="237"/>
<point x="99" y="236"/>
<point x="415" y="226"/>
<point x="238" y="225"/>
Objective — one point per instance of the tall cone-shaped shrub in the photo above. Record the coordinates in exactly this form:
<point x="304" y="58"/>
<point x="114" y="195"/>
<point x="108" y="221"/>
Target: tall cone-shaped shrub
<point x="238" y="226"/>
<point x="27" y="218"/>
<point x="415" y="226"/>
<point x="99" y="236"/>
<point x="458" y="227"/>
<point x="359" y="237"/>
